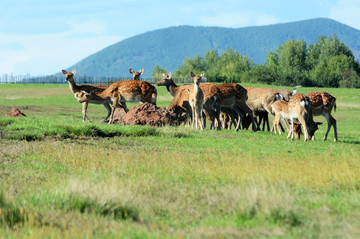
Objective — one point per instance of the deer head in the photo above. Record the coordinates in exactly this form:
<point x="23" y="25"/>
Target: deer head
<point x="136" y="75"/>
<point x="165" y="80"/>
<point x="69" y="76"/>
<point x="197" y="79"/>
<point x="312" y="128"/>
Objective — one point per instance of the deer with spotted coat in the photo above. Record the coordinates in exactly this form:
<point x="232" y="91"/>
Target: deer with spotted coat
<point x="80" y="90"/>
<point x="322" y="103"/>
<point x="181" y="95"/>
<point x="124" y="91"/>
<point x="136" y="74"/>
<point x="298" y="107"/>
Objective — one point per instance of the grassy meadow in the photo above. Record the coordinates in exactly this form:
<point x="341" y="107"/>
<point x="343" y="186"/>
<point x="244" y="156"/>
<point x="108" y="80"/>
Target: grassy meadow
<point x="62" y="178"/>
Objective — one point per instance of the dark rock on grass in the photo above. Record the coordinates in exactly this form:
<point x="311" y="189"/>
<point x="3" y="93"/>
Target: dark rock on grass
<point x="146" y="114"/>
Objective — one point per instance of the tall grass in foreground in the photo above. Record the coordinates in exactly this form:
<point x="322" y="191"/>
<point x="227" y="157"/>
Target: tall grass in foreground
<point x="61" y="178"/>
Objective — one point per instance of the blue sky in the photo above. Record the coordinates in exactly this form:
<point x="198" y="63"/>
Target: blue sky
<point x="41" y="37"/>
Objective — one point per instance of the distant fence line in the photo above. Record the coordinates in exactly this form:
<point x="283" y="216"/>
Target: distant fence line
<point x="92" y="80"/>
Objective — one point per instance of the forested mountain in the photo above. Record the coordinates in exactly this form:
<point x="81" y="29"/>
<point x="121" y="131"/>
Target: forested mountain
<point x="170" y="46"/>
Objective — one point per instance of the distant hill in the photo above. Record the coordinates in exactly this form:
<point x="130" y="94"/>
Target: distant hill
<point x="168" y="47"/>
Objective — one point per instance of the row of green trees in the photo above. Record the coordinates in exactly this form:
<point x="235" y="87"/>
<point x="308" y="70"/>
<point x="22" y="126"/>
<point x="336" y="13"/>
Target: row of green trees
<point x="326" y="63"/>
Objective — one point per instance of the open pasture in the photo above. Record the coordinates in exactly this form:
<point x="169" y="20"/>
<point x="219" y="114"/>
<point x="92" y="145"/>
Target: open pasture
<point x="62" y="178"/>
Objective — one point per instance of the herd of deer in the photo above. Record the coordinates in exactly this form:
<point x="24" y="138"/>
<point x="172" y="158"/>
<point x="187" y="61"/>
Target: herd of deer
<point x="223" y="104"/>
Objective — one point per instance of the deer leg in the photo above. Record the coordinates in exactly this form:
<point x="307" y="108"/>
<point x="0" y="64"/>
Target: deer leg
<point x="244" y="106"/>
<point x="291" y="127"/>
<point x="266" y="119"/>
<point x="84" y="110"/>
<point x="115" y="103"/>
<point x="108" y="108"/>
<point x="335" y="128"/>
<point x="274" y="124"/>
<point x="304" y="125"/>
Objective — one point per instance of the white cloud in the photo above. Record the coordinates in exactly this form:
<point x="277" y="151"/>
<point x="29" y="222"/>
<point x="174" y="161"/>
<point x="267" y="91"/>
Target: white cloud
<point x="45" y="54"/>
<point x="347" y="12"/>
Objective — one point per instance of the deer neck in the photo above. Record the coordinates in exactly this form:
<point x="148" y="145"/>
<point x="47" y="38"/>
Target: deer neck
<point x="196" y="88"/>
<point x="73" y="87"/>
<point x="172" y="88"/>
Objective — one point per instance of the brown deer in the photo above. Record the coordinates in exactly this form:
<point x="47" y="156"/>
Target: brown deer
<point x="171" y="87"/>
<point x="80" y="90"/>
<point x="260" y="99"/>
<point x="196" y="100"/>
<point x="298" y="108"/>
<point x="136" y="75"/>
<point x="281" y="109"/>
<point x="124" y="91"/>
<point x="286" y="94"/>
<point x="322" y="103"/>
<point x="234" y="96"/>
<point x="181" y="98"/>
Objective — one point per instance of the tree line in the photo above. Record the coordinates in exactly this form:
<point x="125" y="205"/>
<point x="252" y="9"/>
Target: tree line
<point x="326" y="63"/>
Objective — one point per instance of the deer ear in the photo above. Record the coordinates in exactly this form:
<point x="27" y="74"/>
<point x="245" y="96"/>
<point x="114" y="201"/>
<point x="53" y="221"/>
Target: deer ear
<point x="74" y="71"/>
<point x="163" y="74"/>
<point x="141" y="71"/>
<point x="64" y="72"/>
<point x="170" y="75"/>
<point x="202" y="75"/>
<point x="131" y="71"/>
<point x="192" y="74"/>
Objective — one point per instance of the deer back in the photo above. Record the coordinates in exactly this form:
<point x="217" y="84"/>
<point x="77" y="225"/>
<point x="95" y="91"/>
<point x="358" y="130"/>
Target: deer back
<point x="261" y="98"/>
<point x="299" y="104"/>
<point x="321" y="101"/>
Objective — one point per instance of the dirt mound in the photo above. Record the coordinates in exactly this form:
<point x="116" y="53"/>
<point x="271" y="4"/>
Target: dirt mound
<point x="146" y="114"/>
<point x="15" y="113"/>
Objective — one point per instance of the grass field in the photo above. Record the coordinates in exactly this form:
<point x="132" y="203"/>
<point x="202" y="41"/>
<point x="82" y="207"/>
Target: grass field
<point x="62" y="178"/>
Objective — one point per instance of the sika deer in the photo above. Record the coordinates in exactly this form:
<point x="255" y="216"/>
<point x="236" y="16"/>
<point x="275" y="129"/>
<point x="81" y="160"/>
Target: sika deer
<point x="281" y="110"/>
<point x="322" y="103"/>
<point x="234" y="96"/>
<point x="196" y="100"/>
<point x="298" y="107"/>
<point x="125" y="91"/>
<point x="181" y="98"/>
<point x="136" y="75"/>
<point x="78" y="91"/>
<point x="260" y="99"/>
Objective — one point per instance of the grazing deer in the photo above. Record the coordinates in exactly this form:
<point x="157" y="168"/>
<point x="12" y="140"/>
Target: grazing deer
<point x="322" y="103"/>
<point x="298" y="108"/>
<point x="124" y="91"/>
<point x="196" y="100"/>
<point x="78" y="91"/>
<point x="181" y="98"/>
<point x="281" y="110"/>
<point x="136" y="75"/>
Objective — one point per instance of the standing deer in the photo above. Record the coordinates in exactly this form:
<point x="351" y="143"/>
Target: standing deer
<point x="196" y="100"/>
<point x="260" y="99"/>
<point x="80" y="90"/>
<point x="322" y="103"/>
<point x="298" y="108"/>
<point x="286" y="94"/>
<point x="136" y="75"/>
<point x="234" y="96"/>
<point x="124" y="91"/>
<point x="181" y="98"/>
<point x="281" y="110"/>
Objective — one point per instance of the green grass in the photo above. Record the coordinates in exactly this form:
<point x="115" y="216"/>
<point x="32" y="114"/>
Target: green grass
<point x="62" y="178"/>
